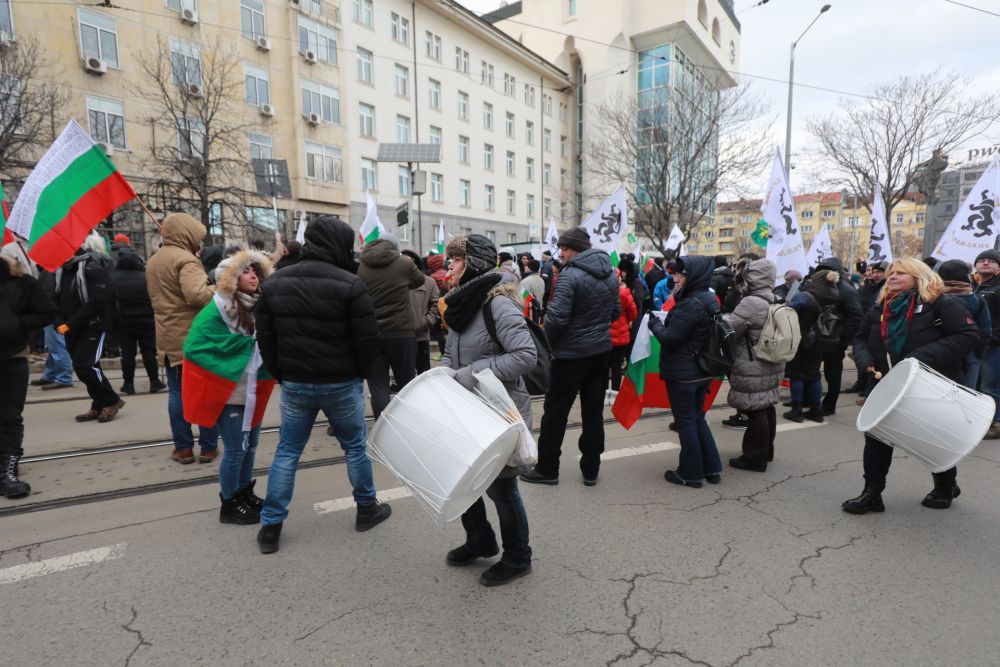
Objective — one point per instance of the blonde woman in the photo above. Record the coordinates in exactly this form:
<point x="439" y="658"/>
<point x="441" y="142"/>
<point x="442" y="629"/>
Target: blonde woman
<point x="912" y="318"/>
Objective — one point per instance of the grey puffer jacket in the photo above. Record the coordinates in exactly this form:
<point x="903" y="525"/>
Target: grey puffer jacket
<point x="583" y="305"/>
<point x="753" y="382"/>
<point x="509" y="361"/>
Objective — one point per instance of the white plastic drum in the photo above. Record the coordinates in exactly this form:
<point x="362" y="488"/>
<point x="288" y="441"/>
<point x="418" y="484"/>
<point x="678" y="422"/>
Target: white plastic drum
<point x="934" y="419"/>
<point x="443" y="442"/>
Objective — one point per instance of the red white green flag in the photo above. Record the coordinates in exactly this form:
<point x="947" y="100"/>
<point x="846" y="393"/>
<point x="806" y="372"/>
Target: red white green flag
<point x="70" y="191"/>
<point x="642" y="386"/>
<point x="8" y="237"/>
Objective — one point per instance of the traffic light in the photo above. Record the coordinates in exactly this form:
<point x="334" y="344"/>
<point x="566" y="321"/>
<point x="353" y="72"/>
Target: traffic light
<point x="403" y="214"/>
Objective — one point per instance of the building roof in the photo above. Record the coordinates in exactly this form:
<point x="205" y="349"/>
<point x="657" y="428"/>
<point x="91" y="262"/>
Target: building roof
<point x="503" y="12"/>
<point x="741" y="205"/>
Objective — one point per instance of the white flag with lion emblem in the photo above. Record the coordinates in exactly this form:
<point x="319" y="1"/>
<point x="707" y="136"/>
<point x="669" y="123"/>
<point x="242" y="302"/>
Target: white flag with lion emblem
<point x="784" y="245"/>
<point x="974" y="228"/>
<point x="606" y="223"/>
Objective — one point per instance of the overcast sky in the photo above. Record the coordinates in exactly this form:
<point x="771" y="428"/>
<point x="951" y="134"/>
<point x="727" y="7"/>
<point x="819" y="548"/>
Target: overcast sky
<point x="856" y="44"/>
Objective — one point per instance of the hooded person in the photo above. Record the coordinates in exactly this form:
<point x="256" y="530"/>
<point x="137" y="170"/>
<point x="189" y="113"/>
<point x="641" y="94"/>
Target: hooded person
<point x="226" y="385"/>
<point x="292" y="254"/>
<point x="833" y="360"/>
<point x="423" y="309"/>
<point x="318" y="337"/>
<point x="509" y="354"/>
<point x="681" y="336"/>
<point x="957" y="278"/>
<point x="136" y="328"/>
<point x="818" y="293"/>
<point x="178" y="289"/>
<point x="987" y="268"/>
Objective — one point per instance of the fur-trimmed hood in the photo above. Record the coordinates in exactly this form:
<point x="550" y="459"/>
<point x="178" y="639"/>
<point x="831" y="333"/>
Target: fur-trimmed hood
<point x="230" y="269"/>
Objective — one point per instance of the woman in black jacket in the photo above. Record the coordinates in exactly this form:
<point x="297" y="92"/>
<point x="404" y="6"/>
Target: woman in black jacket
<point x="912" y="318"/>
<point x="136" y="329"/>
<point x="818" y="293"/>
<point x="681" y="337"/>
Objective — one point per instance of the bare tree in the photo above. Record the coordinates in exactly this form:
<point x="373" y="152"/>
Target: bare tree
<point x="199" y="153"/>
<point x="28" y="105"/>
<point x="899" y="126"/>
<point x="675" y="149"/>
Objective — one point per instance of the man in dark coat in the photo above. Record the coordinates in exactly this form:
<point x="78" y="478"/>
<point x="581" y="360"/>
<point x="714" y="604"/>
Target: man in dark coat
<point x="578" y="320"/>
<point x="136" y="325"/>
<point x="850" y="313"/>
<point x="318" y="337"/>
<point x="655" y="275"/>
<point x="723" y="278"/>
<point x="988" y="269"/>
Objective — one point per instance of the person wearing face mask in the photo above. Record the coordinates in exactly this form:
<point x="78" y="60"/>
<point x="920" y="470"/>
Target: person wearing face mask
<point x="988" y="273"/>
<point x="912" y="318"/>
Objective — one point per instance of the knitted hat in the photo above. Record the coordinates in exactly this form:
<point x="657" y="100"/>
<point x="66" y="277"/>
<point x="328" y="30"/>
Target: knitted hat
<point x="791" y="275"/>
<point x="955" y="269"/>
<point x="989" y="254"/>
<point x="574" y="238"/>
<point x="480" y="256"/>
<point x="121" y="238"/>
<point x="884" y="265"/>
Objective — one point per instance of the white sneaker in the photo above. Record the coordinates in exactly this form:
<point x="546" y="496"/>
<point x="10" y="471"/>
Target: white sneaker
<point x="607" y="397"/>
<point x="612" y="395"/>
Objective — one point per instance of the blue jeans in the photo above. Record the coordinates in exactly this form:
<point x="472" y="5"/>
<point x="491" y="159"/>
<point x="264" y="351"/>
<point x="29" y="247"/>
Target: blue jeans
<point x="58" y="365"/>
<point x="479" y="535"/>
<point x="973" y="365"/>
<point x="807" y="393"/>
<point x="343" y="404"/>
<point x="699" y="455"/>
<point x="236" y="469"/>
<point x="989" y="377"/>
<point x="208" y="438"/>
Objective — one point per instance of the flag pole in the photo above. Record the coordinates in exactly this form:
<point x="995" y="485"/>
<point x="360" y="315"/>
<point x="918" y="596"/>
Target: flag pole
<point x="159" y="225"/>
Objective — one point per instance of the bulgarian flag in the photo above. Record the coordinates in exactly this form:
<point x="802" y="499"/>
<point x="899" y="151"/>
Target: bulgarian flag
<point x="528" y="299"/>
<point x="372" y="227"/>
<point x="70" y="191"/>
<point x="440" y="241"/>
<point x="215" y="358"/>
<point x="642" y="386"/>
<point x="8" y="236"/>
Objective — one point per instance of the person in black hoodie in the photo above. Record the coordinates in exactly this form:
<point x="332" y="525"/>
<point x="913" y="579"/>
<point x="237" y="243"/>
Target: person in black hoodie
<point x="24" y="307"/>
<point x="850" y="310"/>
<point x="318" y="337"/>
<point x="681" y="336"/>
<point x="136" y="327"/>
<point x="85" y="299"/>
<point x="723" y="278"/>
<point x="911" y="319"/>
<point x="818" y="293"/>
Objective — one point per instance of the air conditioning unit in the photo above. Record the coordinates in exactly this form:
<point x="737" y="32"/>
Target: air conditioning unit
<point x="189" y="16"/>
<point x="106" y="148"/>
<point x="263" y="43"/>
<point x="267" y="110"/>
<point x="297" y="214"/>
<point x="311" y="57"/>
<point x="195" y="91"/>
<point x="95" y="65"/>
<point x="314" y="119"/>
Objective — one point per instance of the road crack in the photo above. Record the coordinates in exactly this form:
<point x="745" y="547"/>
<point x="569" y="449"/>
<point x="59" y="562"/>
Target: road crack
<point x="138" y="634"/>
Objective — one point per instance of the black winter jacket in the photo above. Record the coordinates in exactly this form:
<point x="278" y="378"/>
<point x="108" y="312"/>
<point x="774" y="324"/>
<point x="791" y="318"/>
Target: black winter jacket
<point x="990" y="291"/>
<point x="315" y="320"/>
<point x="93" y="313"/>
<point x="24" y="307"/>
<point x="723" y="279"/>
<point x="811" y="300"/>
<point x="850" y="303"/>
<point x="688" y="324"/>
<point x="582" y="307"/>
<point x="941" y="335"/>
<point x="389" y="277"/>
<point x="131" y="297"/>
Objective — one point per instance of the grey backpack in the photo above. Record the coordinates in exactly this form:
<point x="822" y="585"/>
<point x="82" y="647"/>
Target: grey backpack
<point x="780" y="337"/>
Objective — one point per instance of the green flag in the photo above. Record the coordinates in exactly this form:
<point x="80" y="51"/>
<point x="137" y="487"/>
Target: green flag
<point x="760" y="235"/>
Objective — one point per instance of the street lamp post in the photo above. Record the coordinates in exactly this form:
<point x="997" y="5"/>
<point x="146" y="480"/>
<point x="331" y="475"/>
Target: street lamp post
<point x="791" y="77"/>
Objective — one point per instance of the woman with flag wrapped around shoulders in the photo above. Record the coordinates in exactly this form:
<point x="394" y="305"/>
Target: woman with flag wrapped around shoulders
<point x="912" y="318"/>
<point x="225" y="383"/>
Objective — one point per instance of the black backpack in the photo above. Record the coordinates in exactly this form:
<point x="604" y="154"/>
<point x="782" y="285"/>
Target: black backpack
<point x="718" y="353"/>
<point x="536" y="380"/>
<point x="824" y="335"/>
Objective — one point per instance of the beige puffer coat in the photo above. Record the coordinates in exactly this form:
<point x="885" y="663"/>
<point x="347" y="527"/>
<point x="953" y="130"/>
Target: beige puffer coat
<point x="177" y="284"/>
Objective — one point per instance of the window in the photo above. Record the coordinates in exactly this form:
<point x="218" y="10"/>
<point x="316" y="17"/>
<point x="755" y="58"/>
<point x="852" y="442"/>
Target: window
<point x="463" y="150"/>
<point x="435" y="135"/>
<point x="402" y="130"/>
<point x="464" y="192"/>
<point x="510" y="163"/>
<point x="98" y="36"/>
<point x="258" y="90"/>
<point x="432" y="44"/>
<point x="562" y="179"/>
<point x="487" y="115"/>
<point x="185" y="63"/>
<point x="463" y="105"/>
<point x="920" y="233"/>
<point x="531" y="206"/>
<point x="319" y="39"/>
<point x="369" y="177"/>
<point x="716" y="32"/>
<point x="509" y="125"/>
<point x="547" y="140"/>
<point x="511" y="202"/>
<point x="324" y="163"/>
<point x="261" y="146"/>
<point x="6" y="19"/>
<point x="546" y="174"/>
<point x="829" y="228"/>
<point x="529" y="95"/>
<point x="191" y="138"/>
<point x="511" y="237"/>
<point x="546" y="208"/>
<point x="363" y="12"/>
<point x="399" y="28"/>
<point x="899" y="218"/>
<point x="529" y="169"/>
<point x="807" y="214"/>
<point x="492" y="236"/>
<point x="489" y="197"/>
<point x="434" y="93"/>
<point x="805" y="229"/>
<point x="571" y="9"/>
<point x="852" y="221"/>
<point x="178" y="5"/>
<point x="366" y="119"/>
<point x="725" y="233"/>
<point x="702" y="13"/>
<point x="562" y="112"/>
<point x="365" y="60"/>
<point x="107" y="121"/>
<point x="509" y="85"/>
<point x="401" y="81"/>
<point x="312" y="6"/>
<point x="404" y="181"/>
<point x="486" y="73"/>
<point x="529" y="133"/>
<point x="252" y="18"/>
<point x="562" y="145"/>
<point x="461" y="60"/>
<point x="322" y="100"/>
<point x="488" y="157"/>
<point x="546" y="104"/>
<point x="829" y="213"/>
<point x="437" y="187"/>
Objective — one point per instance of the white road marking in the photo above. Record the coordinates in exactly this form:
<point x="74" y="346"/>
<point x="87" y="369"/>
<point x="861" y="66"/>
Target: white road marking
<point x="12" y="575"/>
<point x="636" y="451"/>
<point x="795" y="427"/>
<point x="339" y="504"/>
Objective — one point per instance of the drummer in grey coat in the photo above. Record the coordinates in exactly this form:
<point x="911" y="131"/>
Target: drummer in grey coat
<point x="470" y="348"/>
<point x="753" y="382"/>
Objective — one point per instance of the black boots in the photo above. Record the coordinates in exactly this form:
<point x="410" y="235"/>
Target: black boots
<point x="249" y="497"/>
<point x="10" y="485"/>
<point x="463" y="555"/>
<point x="870" y="500"/>
<point x="268" y="538"/>
<point x="815" y="413"/>
<point x="128" y="387"/>
<point x="238" y="511"/>
<point x="945" y="490"/>
<point x="372" y="515"/>
<point x="795" y="414"/>
<point x="501" y="573"/>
